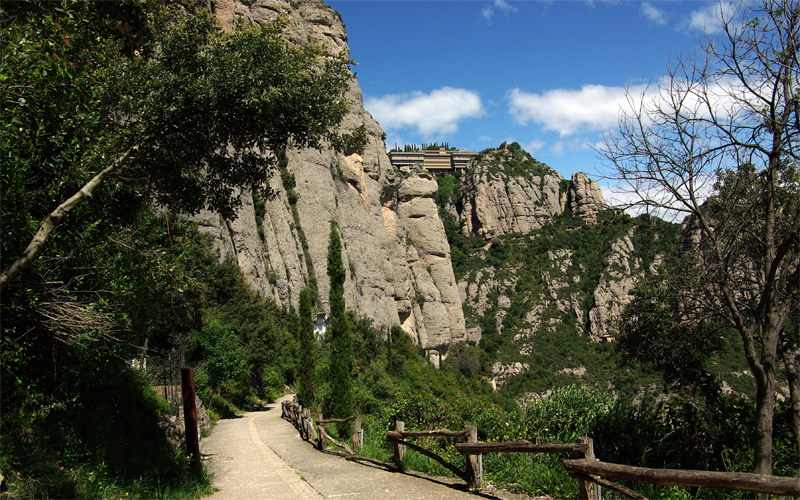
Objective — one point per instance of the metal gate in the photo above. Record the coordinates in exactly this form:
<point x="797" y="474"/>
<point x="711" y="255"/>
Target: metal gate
<point x="164" y="371"/>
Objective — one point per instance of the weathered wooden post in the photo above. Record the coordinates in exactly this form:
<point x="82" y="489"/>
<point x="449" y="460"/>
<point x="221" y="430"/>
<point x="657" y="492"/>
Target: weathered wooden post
<point x="357" y="434"/>
<point x="588" y="489"/>
<point x="322" y="444"/>
<point x="312" y="432"/>
<point x="190" y="419"/>
<point x="473" y="480"/>
<point x="399" y="449"/>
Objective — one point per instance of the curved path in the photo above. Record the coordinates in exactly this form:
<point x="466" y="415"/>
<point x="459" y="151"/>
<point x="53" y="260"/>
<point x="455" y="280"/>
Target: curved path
<point x="260" y="455"/>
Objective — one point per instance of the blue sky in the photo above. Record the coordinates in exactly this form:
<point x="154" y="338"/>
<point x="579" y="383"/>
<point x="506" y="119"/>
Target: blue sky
<point x="549" y="75"/>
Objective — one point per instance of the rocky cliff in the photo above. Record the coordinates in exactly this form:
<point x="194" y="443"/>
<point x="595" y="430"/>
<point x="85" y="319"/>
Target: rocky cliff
<point x="395" y="250"/>
<point x="504" y="192"/>
<point x="554" y="264"/>
<point x="538" y="259"/>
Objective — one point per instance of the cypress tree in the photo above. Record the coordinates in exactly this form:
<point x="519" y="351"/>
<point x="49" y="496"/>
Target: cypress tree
<point x="341" y="349"/>
<point x="308" y="358"/>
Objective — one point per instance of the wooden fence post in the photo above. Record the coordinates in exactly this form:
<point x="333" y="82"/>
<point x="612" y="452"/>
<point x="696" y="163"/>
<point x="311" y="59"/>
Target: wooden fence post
<point x="588" y="489"/>
<point x="356" y="434"/>
<point x="474" y="482"/>
<point x="399" y="449"/>
<point x="305" y="416"/>
<point x="190" y="419"/>
<point x="322" y="444"/>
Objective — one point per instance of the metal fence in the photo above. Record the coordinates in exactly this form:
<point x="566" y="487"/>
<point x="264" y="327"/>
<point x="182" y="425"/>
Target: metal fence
<point x="164" y="371"/>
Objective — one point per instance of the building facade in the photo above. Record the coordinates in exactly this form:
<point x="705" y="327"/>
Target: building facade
<point x="439" y="162"/>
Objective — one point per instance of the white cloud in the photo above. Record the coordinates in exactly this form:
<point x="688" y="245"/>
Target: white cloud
<point x="488" y="12"/>
<point x="567" y="111"/>
<point x="653" y="14"/>
<point x="625" y="196"/>
<point x="576" y="144"/>
<point x="708" y="19"/>
<point x="433" y="114"/>
<point x="533" y="146"/>
<point x="597" y="108"/>
<point x="500" y="4"/>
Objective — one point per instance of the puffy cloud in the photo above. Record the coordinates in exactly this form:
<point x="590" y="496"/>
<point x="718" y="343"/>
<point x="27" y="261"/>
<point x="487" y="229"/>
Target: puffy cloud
<point x="533" y="146"/>
<point x="433" y="114"/>
<point x="576" y="144"/>
<point x="709" y="18"/>
<point x="568" y="111"/>
<point x="627" y="197"/>
<point x="597" y="108"/>
<point x="488" y="12"/>
<point x="653" y="14"/>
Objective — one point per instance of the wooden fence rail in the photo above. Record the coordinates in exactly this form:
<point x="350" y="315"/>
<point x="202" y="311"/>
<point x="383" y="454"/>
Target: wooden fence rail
<point x="789" y="486"/>
<point x="587" y="488"/>
<point x="469" y="475"/>
<point x="301" y="419"/>
<point x="520" y="447"/>
<point x="587" y="471"/>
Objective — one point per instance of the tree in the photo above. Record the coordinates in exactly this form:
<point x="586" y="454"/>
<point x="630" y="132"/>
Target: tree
<point x="155" y="99"/>
<point x="726" y="124"/>
<point x="400" y="349"/>
<point x="341" y="350"/>
<point x="663" y="330"/>
<point x="308" y="349"/>
<point x="223" y="355"/>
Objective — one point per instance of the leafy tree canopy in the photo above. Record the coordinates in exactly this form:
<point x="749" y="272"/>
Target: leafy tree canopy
<point x="155" y="98"/>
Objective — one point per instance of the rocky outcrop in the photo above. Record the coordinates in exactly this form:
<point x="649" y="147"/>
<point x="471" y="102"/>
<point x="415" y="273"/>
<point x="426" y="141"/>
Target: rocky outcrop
<point x="505" y="192"/>
<point x="621" y="273"/>
<point x="502" y="372"/>
<point x="173" y="427"/>
<point x="584" y="198"/>
<point x="397" y="258"/>
<point x="396" y="255"/>
<point x="503" y="195"/>
<point x="429" y="258"/>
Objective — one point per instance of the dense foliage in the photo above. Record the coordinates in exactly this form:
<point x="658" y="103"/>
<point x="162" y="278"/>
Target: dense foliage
<point x="706" y="433"/>
<point x="157" y="97"/>
<point x="338" y="334"/>
<point x="108" y="106"/>
<point x="306" y="387"/>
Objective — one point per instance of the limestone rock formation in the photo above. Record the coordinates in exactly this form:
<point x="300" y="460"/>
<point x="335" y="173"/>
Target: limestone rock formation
<point x="622" y="271"/>
<point x="497" y="201"/>
<point x="396" y="255"/>
<point x="502" y="372"/>
<point x="584" y="198"/>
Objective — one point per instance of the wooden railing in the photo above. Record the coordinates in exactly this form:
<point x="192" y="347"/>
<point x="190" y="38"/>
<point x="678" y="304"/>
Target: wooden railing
<point x="301" y="418"/>
<point x="591" y="470"/>
<point x="586" y="447"/>
<point x="588" y="471"/>
<point x="470" y="433"/>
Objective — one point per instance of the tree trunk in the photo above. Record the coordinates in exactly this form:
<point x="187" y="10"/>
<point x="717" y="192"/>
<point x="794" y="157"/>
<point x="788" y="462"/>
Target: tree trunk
<point x="765" y="393"/>
<point x="790" y="363"/>
<point x="55" y="217"/>
<point x="765" y="409"/>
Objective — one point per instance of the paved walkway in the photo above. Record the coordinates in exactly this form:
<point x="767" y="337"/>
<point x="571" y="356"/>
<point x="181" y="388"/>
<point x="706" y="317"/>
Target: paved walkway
<point x="260" y="455"/>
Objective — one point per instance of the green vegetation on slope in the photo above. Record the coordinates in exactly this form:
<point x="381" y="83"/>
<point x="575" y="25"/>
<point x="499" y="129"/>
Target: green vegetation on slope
<point x="108" y="106"/>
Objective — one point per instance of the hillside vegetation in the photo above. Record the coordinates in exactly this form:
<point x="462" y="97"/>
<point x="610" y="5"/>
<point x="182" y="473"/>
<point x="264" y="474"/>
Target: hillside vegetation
<point x="534" y="297"/>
